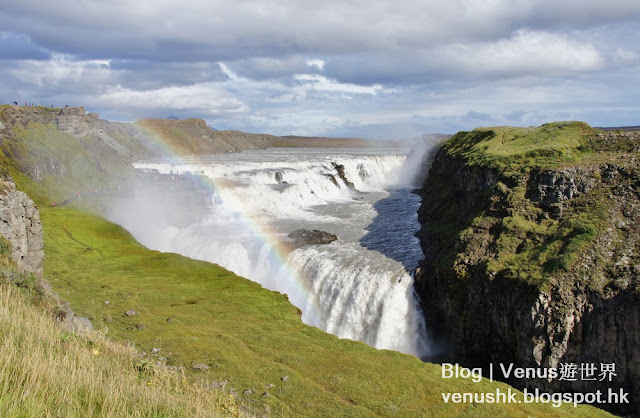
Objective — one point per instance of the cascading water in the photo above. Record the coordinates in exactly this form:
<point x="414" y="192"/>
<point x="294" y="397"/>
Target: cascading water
<point x="358" y="287"/>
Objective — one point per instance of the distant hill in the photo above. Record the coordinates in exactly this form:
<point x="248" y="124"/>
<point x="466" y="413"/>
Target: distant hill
<point x="621" y="128"/>
<point x="319" y="141"/>
<point x="193" y="136"/>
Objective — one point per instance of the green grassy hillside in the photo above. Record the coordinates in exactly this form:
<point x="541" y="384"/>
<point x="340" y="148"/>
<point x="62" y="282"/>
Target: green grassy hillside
<point x="510" y="149"/>
<point x="46" y="371"/>
<point x="249" y="337"/>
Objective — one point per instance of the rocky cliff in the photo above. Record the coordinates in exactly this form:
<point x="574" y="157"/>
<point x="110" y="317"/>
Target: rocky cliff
<point x="69" y="152"/>
<point x="532" y="244"/>
<point x="20" y="225"/>
<point x="68" y="145"/>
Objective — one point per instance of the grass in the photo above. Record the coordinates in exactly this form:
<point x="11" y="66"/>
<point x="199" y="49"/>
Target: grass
<point x="511" y="150"/>
<point x="248" y="336"/>
<point x="46" y="371"/>
<point x="535" y="248"/>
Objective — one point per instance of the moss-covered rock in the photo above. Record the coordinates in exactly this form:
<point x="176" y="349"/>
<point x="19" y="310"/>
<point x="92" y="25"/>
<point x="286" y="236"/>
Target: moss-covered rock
<point x="531" y="238"/>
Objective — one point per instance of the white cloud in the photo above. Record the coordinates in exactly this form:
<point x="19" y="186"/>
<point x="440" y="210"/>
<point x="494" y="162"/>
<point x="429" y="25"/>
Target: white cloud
<point x="207" y="98"/>
<point x="228" y="72"/>
<point x="318" y="63"/>
<point x="60" y="70"/>
<point x="526" y="52"/>
<point x="319" y="82"/>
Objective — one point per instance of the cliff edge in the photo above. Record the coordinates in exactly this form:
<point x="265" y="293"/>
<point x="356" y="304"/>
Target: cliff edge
<point x="532" y="245"/>
<point x="20" y="225"/>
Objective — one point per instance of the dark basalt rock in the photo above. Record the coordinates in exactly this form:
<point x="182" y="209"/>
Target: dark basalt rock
<point x="586" y="313"/>
<point x="340" y="169"/>
<point x="302" y="237"/>
<point x="333" y="180"/>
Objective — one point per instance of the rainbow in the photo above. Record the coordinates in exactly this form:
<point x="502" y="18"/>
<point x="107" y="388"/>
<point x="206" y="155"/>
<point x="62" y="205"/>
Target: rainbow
<point x="266" y="235"/>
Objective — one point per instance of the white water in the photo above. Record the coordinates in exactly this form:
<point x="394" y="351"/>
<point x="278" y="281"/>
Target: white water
<point x="358" y="287"/>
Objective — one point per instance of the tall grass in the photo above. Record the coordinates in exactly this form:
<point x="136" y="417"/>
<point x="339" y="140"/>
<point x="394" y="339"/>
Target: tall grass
<point x="45" y="371"/>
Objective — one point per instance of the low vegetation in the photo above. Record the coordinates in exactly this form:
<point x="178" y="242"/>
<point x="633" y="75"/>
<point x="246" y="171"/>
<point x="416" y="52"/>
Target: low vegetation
<point x="47" y="371"/>
<point x="533" y="242"/>
<point x="514" y="150"/>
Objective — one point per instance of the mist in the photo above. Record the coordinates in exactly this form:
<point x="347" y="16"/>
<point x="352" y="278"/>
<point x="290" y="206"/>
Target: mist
<point x="154" y="207"/>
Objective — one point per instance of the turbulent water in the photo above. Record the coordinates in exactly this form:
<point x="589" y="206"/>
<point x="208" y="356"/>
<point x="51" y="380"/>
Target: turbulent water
<point x="358" y="287"/>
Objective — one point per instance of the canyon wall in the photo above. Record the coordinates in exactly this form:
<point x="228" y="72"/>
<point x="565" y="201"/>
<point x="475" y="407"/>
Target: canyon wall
<point x="20" y="225"/>
<point x="536" y="266"/>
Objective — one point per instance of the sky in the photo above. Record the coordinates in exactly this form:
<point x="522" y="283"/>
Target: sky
<point x="388" y="69"/>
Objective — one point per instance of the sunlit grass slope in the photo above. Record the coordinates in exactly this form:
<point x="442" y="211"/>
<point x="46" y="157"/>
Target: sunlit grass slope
<point x="45" y="371"/>
<point x="512" y="149"/>
<point x="247" y="336"/>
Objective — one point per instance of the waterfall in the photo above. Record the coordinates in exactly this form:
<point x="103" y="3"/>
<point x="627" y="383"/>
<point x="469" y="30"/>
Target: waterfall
<point x="358" y="287"/>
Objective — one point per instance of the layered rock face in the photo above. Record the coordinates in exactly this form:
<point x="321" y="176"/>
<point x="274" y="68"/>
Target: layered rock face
<point x="20" y="224"/>
<point x="587" y="307"/>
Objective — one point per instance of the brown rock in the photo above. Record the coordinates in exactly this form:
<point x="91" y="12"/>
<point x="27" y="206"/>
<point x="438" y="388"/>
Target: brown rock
<point x="200" y="366"/>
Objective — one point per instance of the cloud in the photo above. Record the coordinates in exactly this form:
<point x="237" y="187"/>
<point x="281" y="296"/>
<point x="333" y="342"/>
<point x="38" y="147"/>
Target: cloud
<point x="625" y="57"/>
<point x="206" y="98"/>
<point x="300" y="66"/>
<point x="525" y="52"/>
<point x="472" y="114"/>
<point x="159" y="74"/>
<point x="319" y="82"/>
<point x="318" y="63"/>
<point x="20" y="46"/>
<point x="520" y="54"/>
<point x="265" y="68"/>
<point x="60" y="73"/>
<point x="219" y="30"/>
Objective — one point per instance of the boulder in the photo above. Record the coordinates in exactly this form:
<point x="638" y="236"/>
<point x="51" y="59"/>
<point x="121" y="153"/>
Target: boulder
<point x="302" y="237"/>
